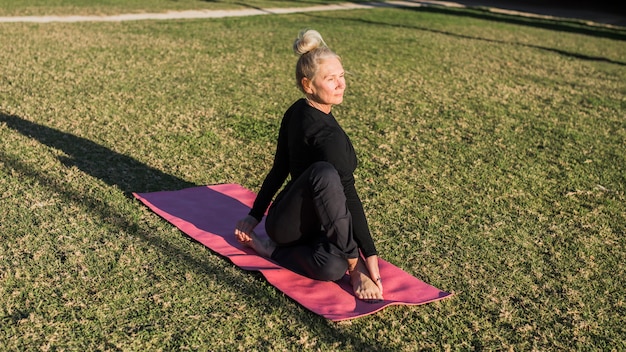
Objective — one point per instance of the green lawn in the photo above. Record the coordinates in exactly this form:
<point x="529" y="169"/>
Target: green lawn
<point x="109" y="7"/>
<point x="492" y="165"/>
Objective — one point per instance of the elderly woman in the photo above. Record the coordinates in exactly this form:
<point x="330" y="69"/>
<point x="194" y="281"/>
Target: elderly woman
<point x="316" y="225"/>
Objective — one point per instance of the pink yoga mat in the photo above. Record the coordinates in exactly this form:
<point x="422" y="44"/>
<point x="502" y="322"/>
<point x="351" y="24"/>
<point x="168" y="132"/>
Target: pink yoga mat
<point x="208" y="214"/>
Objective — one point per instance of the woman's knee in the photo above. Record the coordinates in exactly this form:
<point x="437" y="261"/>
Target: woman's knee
<point x="324" y="173"/>
<point x="323" y="167"/>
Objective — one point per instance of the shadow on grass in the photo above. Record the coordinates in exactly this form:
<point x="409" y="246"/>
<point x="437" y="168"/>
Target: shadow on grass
<point x="557" y="24"/>
<point x="113" y="168"/>
<point x="458" y="13"/>
<point x="131" y="175"/>
<point x="577" y="26"/>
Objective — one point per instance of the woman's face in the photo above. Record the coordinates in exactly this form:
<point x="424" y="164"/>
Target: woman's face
<point x="328" y="85"/>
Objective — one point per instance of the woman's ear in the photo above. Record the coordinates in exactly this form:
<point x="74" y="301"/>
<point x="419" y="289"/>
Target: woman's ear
<point x="306" y="85"/>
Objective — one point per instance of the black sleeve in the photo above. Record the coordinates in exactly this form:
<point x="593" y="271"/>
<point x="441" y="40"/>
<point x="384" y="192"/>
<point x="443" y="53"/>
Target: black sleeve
<point x="360" y="228"/>
<point x="275" y="178"/>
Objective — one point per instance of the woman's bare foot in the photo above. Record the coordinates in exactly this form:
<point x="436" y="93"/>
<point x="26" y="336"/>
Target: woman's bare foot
<point x="363" y="286"/>
<point x="264" y="247"/>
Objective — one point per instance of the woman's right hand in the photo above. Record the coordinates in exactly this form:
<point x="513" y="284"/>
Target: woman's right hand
<point x="244" y="227"/>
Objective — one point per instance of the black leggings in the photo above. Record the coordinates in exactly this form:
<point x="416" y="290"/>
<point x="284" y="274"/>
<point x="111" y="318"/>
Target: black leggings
<point x="311" y="225"/>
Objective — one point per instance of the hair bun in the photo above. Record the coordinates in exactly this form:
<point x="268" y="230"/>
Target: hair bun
<point x="308" y="40"/>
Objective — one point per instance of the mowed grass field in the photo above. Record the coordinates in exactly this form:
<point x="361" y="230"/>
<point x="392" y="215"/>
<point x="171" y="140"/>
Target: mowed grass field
<point x="112" y="7"/>
<point x="492" y="165"/>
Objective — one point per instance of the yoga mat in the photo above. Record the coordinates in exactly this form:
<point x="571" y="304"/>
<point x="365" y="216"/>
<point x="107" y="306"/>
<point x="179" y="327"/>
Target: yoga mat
<point x="208" y="214"/>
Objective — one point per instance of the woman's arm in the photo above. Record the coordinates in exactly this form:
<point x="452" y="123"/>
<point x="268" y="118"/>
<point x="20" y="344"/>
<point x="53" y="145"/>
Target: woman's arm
<point x="360" y="228"/>
<point x="276" y="176"/>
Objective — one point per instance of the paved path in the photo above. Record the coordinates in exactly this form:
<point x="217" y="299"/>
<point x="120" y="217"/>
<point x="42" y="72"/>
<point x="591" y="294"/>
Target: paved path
<point x="509" y="7"/>
<point x="193" y="14"/>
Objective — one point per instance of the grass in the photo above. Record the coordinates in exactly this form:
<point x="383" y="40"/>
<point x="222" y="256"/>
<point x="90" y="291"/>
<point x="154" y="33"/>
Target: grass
<point x="111" y="7"/>
<point x="492" y="154"/>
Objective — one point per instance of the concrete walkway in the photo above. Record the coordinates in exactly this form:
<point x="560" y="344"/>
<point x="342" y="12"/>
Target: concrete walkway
<point x="195" y="14"/>
<point x="592" y="17"/>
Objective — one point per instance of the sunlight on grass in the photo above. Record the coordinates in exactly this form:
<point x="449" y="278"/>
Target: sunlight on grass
<point x="113" y="7"/>
<point x="491" y="154"/>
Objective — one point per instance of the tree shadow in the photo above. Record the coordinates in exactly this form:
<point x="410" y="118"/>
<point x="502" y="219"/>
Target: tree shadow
<point x="131" y="175"/>
<point x="476" y="9"/>
<point x="463" y="36"/>
<point x="481" y="10"/>
<point x="115" y="169"/>
<point x="599" y="11"/>
<point x="557" y="24"/>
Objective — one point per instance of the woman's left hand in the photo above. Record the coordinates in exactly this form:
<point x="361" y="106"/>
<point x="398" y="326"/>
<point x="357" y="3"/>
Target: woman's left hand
<point x="244" y="227"/>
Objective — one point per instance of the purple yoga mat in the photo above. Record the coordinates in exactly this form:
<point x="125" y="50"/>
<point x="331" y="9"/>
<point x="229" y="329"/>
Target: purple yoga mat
<point x="208" y="214"/>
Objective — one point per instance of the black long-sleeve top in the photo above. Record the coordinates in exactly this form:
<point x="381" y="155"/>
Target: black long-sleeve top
<point x="308" y="135"/>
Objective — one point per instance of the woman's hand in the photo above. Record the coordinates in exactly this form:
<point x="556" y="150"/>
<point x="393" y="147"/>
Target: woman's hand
<point x="244" y="227"/>
<point x="371" y="263"/>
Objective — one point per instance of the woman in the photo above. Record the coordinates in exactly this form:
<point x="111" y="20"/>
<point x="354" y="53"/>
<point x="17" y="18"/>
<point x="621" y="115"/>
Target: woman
<point x="316" y="224"/>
